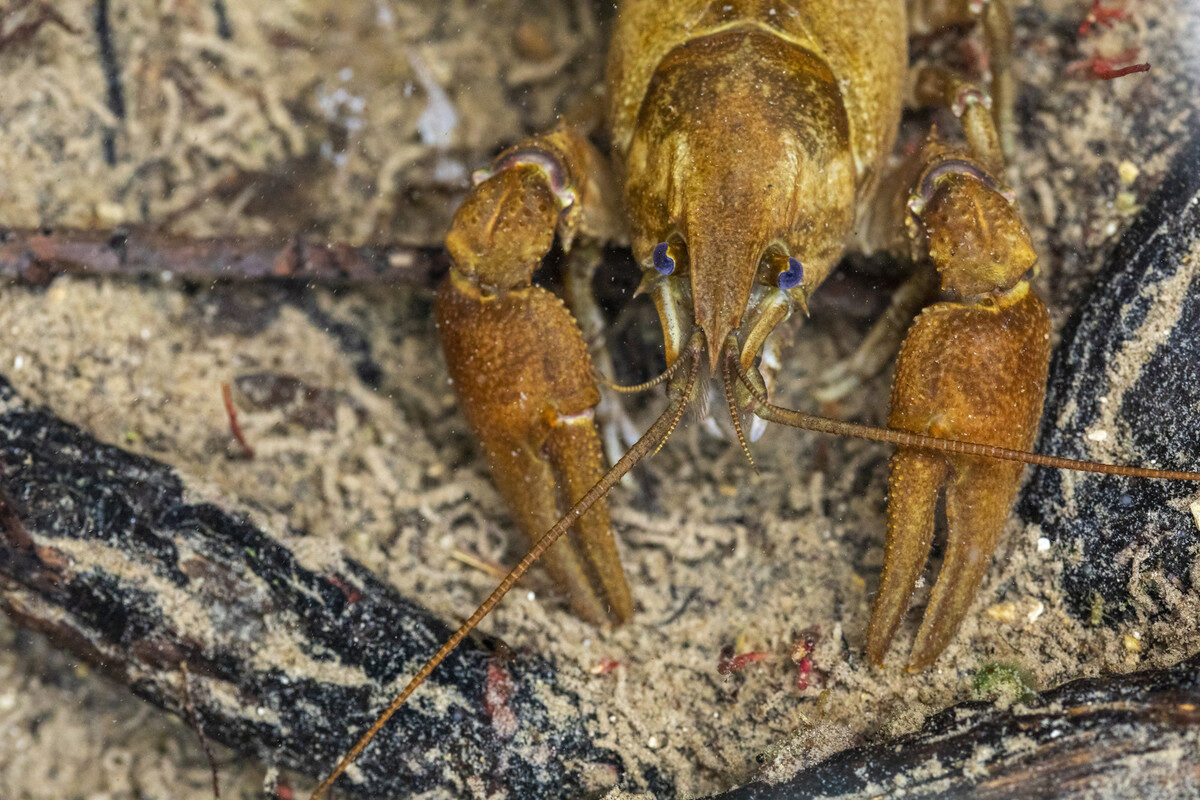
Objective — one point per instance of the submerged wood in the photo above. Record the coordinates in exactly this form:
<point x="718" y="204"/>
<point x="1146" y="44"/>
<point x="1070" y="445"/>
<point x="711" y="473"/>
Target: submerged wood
<point x="1121" y="736"/>
<point x="38" y="255"/>
<point x="111" y="556"/>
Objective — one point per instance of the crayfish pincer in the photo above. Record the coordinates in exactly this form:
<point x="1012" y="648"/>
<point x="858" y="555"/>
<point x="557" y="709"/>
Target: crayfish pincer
<point x="752" y="141"/>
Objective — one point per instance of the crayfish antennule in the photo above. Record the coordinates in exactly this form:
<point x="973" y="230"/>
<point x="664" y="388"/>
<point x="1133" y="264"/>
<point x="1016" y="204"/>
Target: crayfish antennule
<point x="727" y="383"/>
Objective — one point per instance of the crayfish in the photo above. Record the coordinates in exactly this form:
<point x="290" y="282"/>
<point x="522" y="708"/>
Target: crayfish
<point x="753" y="140"/>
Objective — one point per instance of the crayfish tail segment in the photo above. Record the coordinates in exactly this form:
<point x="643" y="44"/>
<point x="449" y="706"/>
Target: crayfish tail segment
<point x="525" y="380"/>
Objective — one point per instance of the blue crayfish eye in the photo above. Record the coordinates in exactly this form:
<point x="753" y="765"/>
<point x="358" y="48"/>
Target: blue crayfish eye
<point x="790" y="278"/>
<point x="662" y="259"/>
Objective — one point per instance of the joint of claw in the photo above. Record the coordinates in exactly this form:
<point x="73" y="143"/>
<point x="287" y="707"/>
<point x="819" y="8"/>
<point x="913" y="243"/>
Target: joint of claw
<point x="547" y="163"/>
<point x="969" y="96"/>
<point x="950" y="166"/>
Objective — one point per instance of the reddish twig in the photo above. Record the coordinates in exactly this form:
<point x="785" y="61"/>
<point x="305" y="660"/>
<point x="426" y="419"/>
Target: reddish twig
<point x="37" y="256"/>
<point x="1105" y="68"/>
<point x="730" y="663"/>
<point x="234" y="426"/>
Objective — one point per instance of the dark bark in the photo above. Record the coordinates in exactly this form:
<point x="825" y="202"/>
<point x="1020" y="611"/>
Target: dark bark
<point x="1123" y="736"/>
<point x="102" y="551"/>
<point x="1131" y="351"/>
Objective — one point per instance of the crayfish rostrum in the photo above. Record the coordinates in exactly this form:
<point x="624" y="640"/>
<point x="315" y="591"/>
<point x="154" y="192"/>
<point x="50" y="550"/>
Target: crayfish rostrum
<point x="753" y="140"/>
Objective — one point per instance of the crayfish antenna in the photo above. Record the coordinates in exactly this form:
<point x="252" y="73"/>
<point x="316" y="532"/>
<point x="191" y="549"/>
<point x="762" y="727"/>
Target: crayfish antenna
<point x="662" y="377"/>
<point x="650" y="442"/>
<point x="831" y="427"/>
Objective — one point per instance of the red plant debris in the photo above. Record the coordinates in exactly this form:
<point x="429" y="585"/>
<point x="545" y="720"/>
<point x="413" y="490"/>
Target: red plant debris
<point x="496" y="691"/>
<point x="234" y="426"/>
<point x="352" y="595"/>
<point x="604" y="666"/>
<point x="730" y="663"/>
<point x="802" y="654"/>
<point x="1101" y="15"/>
<point x="1106" y="68"/>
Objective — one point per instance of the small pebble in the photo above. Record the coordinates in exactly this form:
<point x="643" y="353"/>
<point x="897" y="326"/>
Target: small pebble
<point x="1128" y="172"/>
<point x="532" y="43"/>
<point x="1002" y="612"/>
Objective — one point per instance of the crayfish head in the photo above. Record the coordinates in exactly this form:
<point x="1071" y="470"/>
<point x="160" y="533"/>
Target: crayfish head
<point x="741" y="150"/>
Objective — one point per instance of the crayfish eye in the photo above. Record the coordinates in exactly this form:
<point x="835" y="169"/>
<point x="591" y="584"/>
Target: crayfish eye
<point x="780" y="269"/>
<point x="790" y="278"/>
<point x="668" y="257"/>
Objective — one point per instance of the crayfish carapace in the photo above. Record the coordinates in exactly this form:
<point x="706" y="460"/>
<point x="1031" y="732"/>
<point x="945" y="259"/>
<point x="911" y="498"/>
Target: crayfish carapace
<point x="753" y="139"/>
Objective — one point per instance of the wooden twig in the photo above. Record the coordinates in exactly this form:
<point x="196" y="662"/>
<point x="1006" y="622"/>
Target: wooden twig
<point x="37" y="256"/>
<point x="235" y="427"/>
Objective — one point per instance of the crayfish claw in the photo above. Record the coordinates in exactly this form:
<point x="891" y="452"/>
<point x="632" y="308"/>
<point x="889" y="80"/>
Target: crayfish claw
<point x="913" y="486"/>
<point x="978" y="497"/>
<point x="524" y="376"/>
<point x="973" y="372"/>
